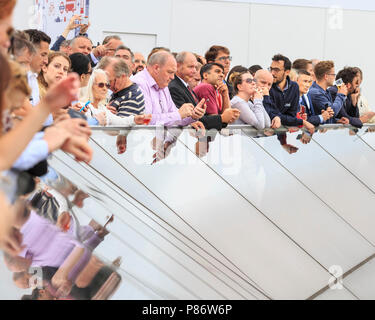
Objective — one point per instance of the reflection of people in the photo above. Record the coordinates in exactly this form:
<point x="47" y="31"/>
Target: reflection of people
<point x="57" y="249"/>
<point x="96" y="281"/>
<point x="286" y="146"/>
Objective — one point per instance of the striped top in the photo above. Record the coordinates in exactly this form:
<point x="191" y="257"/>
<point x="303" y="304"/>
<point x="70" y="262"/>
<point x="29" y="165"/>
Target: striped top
<point x="128" y="101"/>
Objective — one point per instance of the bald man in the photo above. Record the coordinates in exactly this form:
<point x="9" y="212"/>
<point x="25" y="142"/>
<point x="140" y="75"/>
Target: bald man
<point x="264" y="80"/>
<point x="154" y="81"/>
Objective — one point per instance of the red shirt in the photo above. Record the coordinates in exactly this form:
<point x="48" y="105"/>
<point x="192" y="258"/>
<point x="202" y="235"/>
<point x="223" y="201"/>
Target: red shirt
<point x="208" y="91"/>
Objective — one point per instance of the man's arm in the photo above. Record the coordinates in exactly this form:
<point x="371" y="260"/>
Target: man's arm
<point x="70" y="26"/>
<point x="158" y="118"/>
<point x="289" y="118"/>
<point x="270" y="107"/>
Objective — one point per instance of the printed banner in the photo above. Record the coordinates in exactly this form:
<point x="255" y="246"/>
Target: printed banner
<point x="53" y="15"/>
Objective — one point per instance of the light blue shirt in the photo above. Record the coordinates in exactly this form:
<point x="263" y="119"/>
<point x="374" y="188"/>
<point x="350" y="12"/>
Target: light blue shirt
<point x="35" y="152"/>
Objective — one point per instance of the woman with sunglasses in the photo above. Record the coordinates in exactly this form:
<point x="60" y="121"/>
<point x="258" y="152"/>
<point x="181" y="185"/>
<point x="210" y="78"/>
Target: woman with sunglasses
<point x="249" y="100"/>
<point x="97" y="90"/>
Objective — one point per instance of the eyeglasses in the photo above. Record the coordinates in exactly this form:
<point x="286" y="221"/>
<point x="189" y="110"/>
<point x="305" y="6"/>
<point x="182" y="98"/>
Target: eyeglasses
<point x="249" y="80"/>
<point x="101" y="85"/>
<point x="331" y="74"/>
<point x="277" y="70"/>
<point x="225" y="58"/>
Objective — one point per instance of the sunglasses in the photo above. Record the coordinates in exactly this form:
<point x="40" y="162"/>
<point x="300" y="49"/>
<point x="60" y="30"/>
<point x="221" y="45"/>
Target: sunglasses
<point x="101" y="85"/>
<point x="249" y="80"/>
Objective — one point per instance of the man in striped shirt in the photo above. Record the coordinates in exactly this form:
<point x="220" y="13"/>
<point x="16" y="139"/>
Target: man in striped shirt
<point x="127" y="98"/>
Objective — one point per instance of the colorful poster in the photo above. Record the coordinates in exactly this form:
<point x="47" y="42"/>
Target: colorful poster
<point x="54" y="15"/>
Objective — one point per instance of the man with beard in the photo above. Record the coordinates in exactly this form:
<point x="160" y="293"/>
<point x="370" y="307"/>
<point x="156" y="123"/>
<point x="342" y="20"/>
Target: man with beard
<point x="139" y="62"/>
<point x="284" y="95"/>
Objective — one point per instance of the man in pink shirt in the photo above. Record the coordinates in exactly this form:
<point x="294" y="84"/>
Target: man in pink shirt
<point x="153" y="82"/>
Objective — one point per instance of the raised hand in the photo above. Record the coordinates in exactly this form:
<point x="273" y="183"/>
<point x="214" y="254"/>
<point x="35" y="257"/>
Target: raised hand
<point x="62" y="94"/>
<point x="199" y="110"/>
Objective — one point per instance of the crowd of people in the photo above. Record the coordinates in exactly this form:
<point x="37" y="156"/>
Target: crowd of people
<point x="51" y="93"/>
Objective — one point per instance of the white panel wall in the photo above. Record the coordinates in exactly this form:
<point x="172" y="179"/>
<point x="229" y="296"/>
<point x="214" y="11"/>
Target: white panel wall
<point x="196" y="25"/>
<point x="253" y="32"/>
<point x="285" y="30"/>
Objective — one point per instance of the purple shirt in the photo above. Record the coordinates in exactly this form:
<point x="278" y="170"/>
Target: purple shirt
<point x="158" y="102"/>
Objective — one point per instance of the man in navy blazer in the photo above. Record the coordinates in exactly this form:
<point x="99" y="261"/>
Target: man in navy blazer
<point x="304" y="81"/>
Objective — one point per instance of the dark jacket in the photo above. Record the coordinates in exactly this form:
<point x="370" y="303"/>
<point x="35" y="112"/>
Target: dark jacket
<point x="347" y="106"/>
<point x="322" y="99"/>
<point x="180" y="95"/>
<point x="285" y="104"/>
<point x="351" y="110"/>
<point x="313" y="118"/>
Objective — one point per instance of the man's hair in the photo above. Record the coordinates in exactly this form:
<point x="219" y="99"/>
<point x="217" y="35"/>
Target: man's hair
<point x="160" y="58"/>
<point x="213" y="52"/>
<point x="36" y="37"/>
<point x="347" y="74"/>
<point x="72" y="42"/>
<point x="359" y="71"/>
<point x="157" y="49"/>
<point x="65" y="43"/>
<point x="120" y="68"/>
<point x="254" y="68"/>
<point x="207" y="68"/>
<point x="122" y="47"/>
<point x="301" y="64"/>
<point x="80" y="63"/>
<point x="280" y="57"/>
<point x="18" y="44"/>
<point x="303" y="72"/>
<point x="322" y="68"/>
<point x="109" y="38"/>
<point x="6" y="8"/>
<point x="181" y="57"/>
<point x="105" y="62"/>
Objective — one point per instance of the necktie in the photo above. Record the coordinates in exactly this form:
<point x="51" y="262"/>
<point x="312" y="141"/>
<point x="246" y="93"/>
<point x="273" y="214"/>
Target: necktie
<point x="192" y="94"/>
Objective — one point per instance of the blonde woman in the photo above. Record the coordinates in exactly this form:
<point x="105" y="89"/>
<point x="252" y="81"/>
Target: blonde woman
<point x="96" y="101"/>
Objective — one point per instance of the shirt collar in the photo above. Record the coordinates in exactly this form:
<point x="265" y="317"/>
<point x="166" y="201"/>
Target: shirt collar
<point x="186" y="85"/>
<point x="151" y="80"/>
<point x="286" y="85"/>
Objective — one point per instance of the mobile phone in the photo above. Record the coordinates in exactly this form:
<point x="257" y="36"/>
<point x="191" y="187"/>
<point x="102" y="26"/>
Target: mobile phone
<point x="303" y="109"/>
<point x="85" y="20"/>
<point x="76" y="115"/>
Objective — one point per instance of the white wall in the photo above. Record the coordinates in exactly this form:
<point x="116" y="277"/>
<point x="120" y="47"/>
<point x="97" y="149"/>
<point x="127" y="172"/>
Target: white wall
<point x="252" y="31"/>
